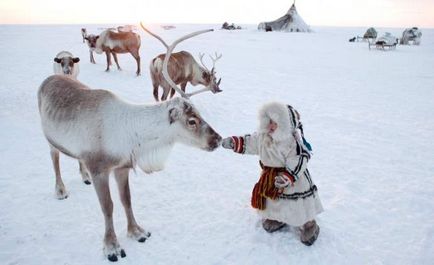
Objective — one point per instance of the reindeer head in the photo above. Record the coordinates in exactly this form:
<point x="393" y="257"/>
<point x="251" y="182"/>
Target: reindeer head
<point x="209" y="76"/>
<point x="91" y="41"/>
<point x="67" y="63"/>
<point x="193" y="129"/>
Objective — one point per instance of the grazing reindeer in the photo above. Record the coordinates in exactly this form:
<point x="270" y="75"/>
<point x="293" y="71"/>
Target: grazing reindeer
<point x="183" y="68"/>
<point x="110" y="135"/>
<point x="83" y="33"/>
<point x="112" y="42"/>
<point x="66" y="64"/>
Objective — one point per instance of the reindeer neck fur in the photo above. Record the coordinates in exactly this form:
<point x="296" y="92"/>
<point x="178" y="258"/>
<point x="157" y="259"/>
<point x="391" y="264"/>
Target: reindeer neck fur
<point x="143" y="133"/>
<point x="197" y="75"/>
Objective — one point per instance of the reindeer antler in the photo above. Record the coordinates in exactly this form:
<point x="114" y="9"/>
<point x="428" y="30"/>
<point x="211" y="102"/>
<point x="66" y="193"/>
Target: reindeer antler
<point x="169" y="52"/>
<point x="201" y="61"/>
<point x="214" y="60"/>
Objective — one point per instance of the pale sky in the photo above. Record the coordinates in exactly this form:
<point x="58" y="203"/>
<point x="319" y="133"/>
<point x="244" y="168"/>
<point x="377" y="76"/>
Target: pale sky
<point x="378" y="13"/>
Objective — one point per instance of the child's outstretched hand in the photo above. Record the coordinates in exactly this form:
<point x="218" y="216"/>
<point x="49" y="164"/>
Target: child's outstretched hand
<point x="282" y="181"/>
<point x="228" y="143"/>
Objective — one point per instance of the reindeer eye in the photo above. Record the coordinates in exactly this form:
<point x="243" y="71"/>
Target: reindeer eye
<point x="192" y="122"/>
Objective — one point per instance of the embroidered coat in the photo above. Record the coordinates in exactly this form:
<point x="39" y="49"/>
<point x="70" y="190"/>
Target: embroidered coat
<point x="298" y="203"/>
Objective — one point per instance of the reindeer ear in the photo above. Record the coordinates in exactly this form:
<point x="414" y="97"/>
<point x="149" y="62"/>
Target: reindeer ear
<point x="57" y="60"/>
<point x="187" y="107"/>
<point x="174" y="115"/>
<point x="76" y="59"/>
<point x="97" y="37"/>
<point x="297" y="114"/>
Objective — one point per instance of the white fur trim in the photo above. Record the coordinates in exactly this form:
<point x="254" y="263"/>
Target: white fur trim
<point x="278" y="113"/>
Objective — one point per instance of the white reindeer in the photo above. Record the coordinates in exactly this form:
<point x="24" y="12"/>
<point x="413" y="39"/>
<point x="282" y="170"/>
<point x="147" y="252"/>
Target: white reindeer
<point x="66" y="64"/>
<point x="110" y="135"/>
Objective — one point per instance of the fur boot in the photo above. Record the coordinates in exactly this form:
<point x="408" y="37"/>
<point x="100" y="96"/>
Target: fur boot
<point x="272" y="225"/>
<point x="309" y="233"/>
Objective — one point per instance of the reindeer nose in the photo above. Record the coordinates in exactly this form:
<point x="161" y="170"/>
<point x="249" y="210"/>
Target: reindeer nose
<point x="214" y="142"/>
<point x="218" y="139"/>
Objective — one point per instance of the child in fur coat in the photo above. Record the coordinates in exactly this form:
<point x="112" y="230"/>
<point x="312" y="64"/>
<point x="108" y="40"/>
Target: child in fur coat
<point x="285" y="193"/>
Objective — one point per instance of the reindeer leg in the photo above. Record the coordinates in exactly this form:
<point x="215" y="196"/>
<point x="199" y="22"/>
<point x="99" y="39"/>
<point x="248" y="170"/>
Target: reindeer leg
<point x="166" y="90"/>
<point x="116" y="60"/>
<point x="92" y="60"/>
<point x="107" y="53"/>
<point x="156" y="86"/>
<point x="111" y="245"/>
<point x="61" y="192"/>
<point x="83" y="172"/>
<point x="172" y="92"/>
<point x="136" y="56"/>
<point x="134" y="230"/>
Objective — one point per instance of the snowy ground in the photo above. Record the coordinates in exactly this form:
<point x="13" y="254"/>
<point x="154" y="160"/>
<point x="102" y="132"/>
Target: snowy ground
<point x="368" y="114"/>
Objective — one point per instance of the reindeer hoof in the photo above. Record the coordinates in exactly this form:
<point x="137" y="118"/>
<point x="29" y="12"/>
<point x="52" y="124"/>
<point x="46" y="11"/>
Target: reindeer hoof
<point x="138" y="233"/>
<point x="62" y="197"/>
<point x="61" y="193"/>
<point x="143" y="239"/>
<point x="87" y="182"/>
<point x="112" y="257"/>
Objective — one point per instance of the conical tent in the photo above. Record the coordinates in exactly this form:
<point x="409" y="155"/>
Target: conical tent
<point x="290" y="22"/>
<point x="370" y="33"/>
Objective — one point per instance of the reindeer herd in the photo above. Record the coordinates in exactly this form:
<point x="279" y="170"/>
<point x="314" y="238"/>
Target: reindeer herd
<point x="108" y="135"/>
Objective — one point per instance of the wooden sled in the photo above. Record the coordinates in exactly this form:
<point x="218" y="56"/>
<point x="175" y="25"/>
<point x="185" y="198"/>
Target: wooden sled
<point x="382" y="45"/>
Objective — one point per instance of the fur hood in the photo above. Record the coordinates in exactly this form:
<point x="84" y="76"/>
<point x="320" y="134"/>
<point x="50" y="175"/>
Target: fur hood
<point x="286" y="118"/>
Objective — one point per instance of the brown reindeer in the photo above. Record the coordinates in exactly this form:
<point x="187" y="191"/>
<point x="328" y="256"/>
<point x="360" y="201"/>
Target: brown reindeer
<point x="183" y="68"/>
<point x="112" y="42"/>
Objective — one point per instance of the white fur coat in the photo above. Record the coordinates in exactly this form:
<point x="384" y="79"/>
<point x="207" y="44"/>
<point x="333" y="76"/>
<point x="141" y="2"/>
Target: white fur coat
<point x="284" y="148"/>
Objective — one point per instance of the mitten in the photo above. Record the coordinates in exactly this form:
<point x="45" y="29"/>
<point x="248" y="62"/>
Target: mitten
<point x="282" y="181"/>
<point x="228" y="143"/>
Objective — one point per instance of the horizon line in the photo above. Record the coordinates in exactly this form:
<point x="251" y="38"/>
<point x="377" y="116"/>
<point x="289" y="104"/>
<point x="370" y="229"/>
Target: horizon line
<point x="193" y="23"/>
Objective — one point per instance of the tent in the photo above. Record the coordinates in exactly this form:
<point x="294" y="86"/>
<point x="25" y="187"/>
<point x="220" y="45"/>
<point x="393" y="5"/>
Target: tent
<point x="290" y="22"/>
<point x="371" y="33"/>
<point x="411" y="35"/>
